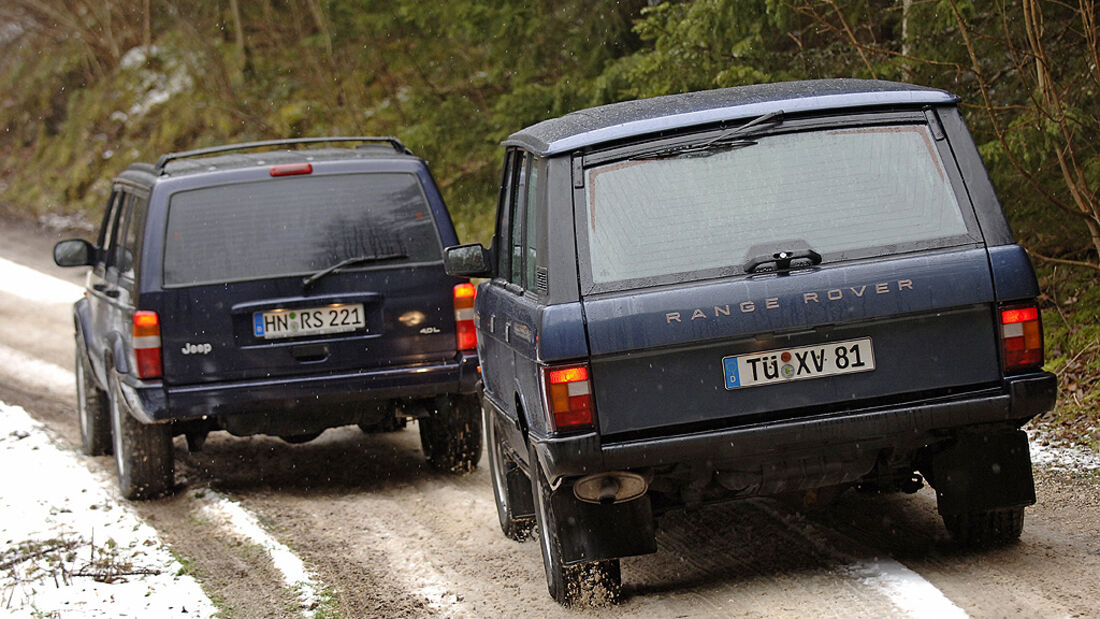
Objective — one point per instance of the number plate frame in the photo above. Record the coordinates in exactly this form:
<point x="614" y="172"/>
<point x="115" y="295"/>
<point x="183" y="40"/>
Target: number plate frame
<point x="279" y="324"/>
<point x="784" y="365"/>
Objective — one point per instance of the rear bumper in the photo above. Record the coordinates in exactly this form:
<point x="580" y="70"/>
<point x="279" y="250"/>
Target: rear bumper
<point x="152" y="401"/>
<point x="907" y="426"/>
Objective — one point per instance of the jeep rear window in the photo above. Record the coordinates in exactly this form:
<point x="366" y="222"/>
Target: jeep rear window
<point x="295" y="226"/>
<point x="847" y="193"/>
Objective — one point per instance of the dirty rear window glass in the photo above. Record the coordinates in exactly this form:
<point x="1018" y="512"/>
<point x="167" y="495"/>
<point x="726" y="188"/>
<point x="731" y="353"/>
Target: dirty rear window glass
<point x="846" y="193"/>
<point x="295" y="226"/>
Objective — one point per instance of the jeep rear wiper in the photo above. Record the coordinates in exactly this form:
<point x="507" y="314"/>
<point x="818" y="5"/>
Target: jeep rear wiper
<point x="309" y="281"/>
<point x="722" y="142"/>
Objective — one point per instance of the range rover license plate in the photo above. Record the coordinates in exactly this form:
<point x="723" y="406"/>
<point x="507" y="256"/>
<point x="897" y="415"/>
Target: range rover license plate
<point x="283" y="323"/>
<point x="787" y="364"/>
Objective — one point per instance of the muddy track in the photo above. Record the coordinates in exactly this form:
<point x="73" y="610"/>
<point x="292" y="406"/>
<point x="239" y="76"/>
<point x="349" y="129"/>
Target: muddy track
<point x="388" y="537"/>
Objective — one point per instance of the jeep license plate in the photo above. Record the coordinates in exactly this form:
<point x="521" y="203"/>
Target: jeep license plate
<point x="283" y="323"/>
<point x="788" y="364"/>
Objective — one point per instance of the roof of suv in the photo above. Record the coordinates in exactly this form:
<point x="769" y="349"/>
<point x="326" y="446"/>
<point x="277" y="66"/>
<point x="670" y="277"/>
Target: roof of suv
<point x="629" y="119"/>
<point x="228" y="157"/>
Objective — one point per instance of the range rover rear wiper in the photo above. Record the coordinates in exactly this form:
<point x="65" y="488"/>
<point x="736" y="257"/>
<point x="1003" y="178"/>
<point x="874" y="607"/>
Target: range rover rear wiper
<point x="309" y="281"/>
<point x="722" y="142"/>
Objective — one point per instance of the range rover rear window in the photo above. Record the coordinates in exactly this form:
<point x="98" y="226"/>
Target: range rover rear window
<point x="844" y="192"/>
<point x="295" y="226"/>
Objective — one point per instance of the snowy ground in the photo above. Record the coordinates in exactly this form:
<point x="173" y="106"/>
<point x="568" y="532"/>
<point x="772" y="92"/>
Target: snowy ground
<point x="71" y="548"/>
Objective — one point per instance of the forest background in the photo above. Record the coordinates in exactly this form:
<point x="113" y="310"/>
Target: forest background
<point x="88" y="86"/>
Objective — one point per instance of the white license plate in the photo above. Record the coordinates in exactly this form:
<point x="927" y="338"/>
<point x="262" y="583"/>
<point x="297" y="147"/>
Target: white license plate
<point x="787" y="364"/>
<point x="282" y="323"/>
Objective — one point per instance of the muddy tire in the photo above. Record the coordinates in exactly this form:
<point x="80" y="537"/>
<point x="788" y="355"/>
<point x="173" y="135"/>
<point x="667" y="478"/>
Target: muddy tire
<point x="451" y="434"/>
<point x="143" y="452"/>
<point x="501" y="466"/>
<point x="92" y="408"/>
<point x="986" y="529"/>
<point x="596" y="583"/>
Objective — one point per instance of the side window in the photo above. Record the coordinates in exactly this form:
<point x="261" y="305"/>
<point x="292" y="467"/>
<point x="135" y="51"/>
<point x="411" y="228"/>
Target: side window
<point x="107" y="230"/>
<point x="504" y="224"/>
<point x="130" y="222"/>
<point x="517" y="209"/>
<point x="530" y="224"/>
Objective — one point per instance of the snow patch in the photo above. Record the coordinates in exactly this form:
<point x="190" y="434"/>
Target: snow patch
<point x="242" y="524"/>
<point x="68" y="547"/>
<point x="1061" y="458"/>
<point x="907" y="590"/>
<point x="37" y="373"/>
<point x="31" y="285"/>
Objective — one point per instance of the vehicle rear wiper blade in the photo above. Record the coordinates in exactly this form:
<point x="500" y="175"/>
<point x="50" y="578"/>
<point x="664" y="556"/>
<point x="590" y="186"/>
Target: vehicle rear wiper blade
<point x="748" y="128"/>
<point x="720" y="143"/>
<point x="693" y="150"/>
<point x="309" y="281"/>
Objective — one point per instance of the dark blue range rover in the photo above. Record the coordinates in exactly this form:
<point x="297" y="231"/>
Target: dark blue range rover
<point x="280" y="292"/>
<point x="785" y="289"/>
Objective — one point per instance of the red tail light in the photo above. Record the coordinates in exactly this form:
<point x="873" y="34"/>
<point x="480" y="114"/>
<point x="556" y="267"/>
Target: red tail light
<point x="290" y="169"/>
<point x="568" y="397"/>
<point x="465" y="331"/>
<point x="1021" y="338"/>
<point x="147" y="344"/>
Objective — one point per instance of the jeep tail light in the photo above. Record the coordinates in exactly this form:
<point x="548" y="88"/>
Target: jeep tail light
<point x="290" y="169"/>
<point x="568" y="397"/>
<point x="147" y="344"/>
<point x="1021" y="338"/>
<point x="465" y="330"/>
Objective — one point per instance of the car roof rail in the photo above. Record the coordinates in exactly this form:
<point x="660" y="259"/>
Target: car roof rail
<point x="158" y="167"/>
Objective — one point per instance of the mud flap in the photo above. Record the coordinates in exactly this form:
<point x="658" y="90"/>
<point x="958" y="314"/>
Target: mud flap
<point x="519" y="489"/>
<point x="982" y="472"/>
<point x="590" y="532"/>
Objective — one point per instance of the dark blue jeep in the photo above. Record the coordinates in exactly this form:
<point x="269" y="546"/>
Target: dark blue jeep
<point x="280" y="292"/>
<point x="784" y="289"/>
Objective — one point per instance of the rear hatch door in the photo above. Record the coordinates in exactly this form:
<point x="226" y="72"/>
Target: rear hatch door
<point x="247" y="295"/>
<point x="696" y="318"/>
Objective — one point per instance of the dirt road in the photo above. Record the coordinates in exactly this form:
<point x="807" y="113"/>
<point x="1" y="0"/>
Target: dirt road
<point x="386" y="537"/>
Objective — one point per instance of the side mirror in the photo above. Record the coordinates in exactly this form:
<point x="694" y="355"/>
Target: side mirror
<point x="471" y="260"/>
<point x="74" y="253"/>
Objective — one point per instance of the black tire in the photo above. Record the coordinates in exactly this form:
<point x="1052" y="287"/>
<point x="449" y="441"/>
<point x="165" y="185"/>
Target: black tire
<point x="500" y="467"/>
<point x="451" y="434"/>
<point x="143" y="452"/>
<point x="92" y="409"/>
<point x="986" y="529"/>
<point x="596" y="583"/>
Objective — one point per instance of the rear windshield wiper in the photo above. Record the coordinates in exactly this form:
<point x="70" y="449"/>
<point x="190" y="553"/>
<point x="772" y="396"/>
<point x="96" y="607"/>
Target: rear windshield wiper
<point x="722" y="142"/>
<point x="309" y="281"/>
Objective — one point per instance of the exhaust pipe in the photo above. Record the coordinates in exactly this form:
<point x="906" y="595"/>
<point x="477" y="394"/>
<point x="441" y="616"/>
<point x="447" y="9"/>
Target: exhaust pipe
<point x="609" y="488"/>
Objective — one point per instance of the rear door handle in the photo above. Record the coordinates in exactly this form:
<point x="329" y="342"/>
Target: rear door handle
<point x="113" y="293"/>
<point x="507" y="331"/>
<point x="99" y="287"/>
<point x="310" y="353"/>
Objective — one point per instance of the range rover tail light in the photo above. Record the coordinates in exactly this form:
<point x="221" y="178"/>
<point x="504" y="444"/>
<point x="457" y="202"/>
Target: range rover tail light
<point x="465" y="329"/>
<point x="568" y="397"/>
<point x="1021" y="338"/>
<point x="147" y="344"/>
